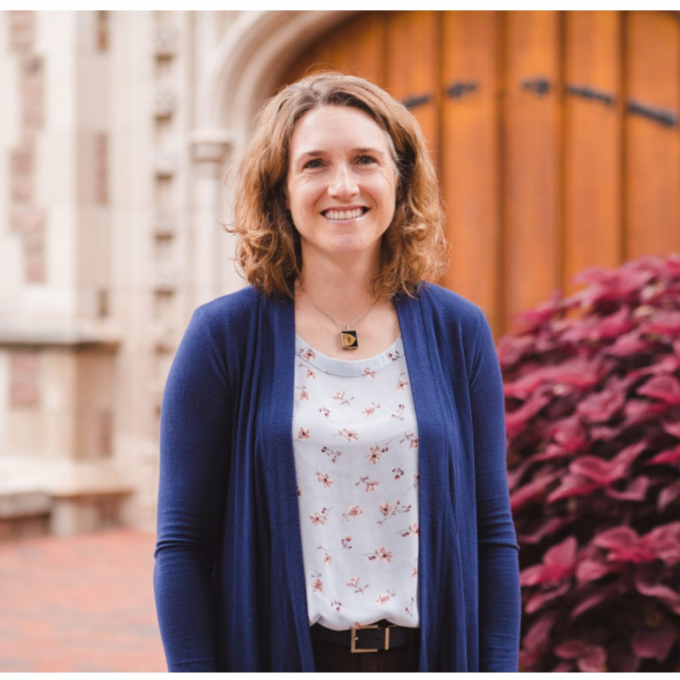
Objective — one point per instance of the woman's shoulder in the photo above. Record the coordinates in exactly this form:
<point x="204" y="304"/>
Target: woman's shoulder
<point x="228" y="309"/>
<point x="450" y="307"/>
<point x="225" y="322"/>
<point x="457" y="322"/>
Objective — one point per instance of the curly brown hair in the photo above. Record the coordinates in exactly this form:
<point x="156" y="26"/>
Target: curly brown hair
<point x="268" y="250"/>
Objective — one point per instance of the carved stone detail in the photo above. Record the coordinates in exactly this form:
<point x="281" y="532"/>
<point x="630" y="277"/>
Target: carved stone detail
<point x="165" y="222"/>
<point x="164" y="102"/>
<point x="165" y="163"/>
<point x="165" y="42"/>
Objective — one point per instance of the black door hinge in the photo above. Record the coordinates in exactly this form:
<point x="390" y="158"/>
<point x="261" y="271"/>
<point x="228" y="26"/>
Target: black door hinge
<point x="416" y="100"/>
<point x="591" y="93"/>
<point x="540" y="86"/>
<point x="663" y="116"/>
<point x="459" y="89"/>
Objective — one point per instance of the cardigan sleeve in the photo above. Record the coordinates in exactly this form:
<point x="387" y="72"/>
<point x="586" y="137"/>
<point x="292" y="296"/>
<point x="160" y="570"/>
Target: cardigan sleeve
<point x="195" y="436"/>
<point x="499" y="589"/>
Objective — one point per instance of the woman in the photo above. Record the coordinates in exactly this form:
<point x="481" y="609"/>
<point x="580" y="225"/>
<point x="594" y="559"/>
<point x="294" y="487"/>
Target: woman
<point x="332" y="444"/>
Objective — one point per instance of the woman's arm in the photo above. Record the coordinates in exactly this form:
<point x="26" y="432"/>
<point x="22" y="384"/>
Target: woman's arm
<point x="499" y="589"/>
<point x="195" y="437"/>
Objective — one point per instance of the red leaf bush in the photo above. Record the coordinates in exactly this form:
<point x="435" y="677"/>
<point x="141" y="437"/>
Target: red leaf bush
<point x="592" y="388"/>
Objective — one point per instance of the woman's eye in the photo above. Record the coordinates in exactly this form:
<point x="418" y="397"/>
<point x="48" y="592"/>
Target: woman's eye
<point x="365" y="160"/>
<point x="315" y="163"/>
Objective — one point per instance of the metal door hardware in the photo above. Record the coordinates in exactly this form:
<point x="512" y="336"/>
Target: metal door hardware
<point x="459" y="89"/>
<point x="416" y="100"/>
<point x="663" y="116"/>
<point x="540" y="86"/>
<point x="591" y="93"/>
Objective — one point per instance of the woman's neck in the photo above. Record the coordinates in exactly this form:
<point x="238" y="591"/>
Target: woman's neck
<point x="343" y="289"/>
<point x="332" y="294"/>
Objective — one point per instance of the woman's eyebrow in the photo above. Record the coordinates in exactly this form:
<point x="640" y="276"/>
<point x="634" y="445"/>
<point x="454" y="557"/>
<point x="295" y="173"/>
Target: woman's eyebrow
<point x="313" y="152"/>
<point x="358" y="150"/>
<point x="369" y="149"/>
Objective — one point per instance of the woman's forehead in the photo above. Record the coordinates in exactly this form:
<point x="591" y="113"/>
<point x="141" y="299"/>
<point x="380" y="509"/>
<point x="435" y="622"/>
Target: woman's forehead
<point x="329" y="127"/>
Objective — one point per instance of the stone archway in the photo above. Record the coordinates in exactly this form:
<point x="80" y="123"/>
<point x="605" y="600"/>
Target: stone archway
<point x="246" y="66"/>
<point x="249" y="63"/>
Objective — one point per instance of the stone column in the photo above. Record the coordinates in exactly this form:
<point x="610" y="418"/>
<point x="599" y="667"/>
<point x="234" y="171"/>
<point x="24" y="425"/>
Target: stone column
<point x="212" y="251"/>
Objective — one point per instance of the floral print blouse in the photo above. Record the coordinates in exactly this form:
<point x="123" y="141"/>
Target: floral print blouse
<point x="356" y="459"/>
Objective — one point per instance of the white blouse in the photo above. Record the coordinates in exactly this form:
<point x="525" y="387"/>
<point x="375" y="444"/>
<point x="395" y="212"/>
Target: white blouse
<point x="356" y="460"/>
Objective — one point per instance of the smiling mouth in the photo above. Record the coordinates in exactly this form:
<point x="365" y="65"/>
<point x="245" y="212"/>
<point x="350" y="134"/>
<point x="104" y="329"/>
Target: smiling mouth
<point x="353" y="214"/>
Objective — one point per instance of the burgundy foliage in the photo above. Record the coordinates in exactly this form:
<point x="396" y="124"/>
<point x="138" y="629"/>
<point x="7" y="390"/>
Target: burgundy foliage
<point x="592" y="388"/>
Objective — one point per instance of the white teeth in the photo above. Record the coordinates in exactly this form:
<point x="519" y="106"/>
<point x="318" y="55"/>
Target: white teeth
<point x="344" y="214"/>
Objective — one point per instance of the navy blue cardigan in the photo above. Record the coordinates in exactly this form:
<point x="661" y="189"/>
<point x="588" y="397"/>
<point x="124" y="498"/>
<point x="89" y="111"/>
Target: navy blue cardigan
<point x="229" y="577"/>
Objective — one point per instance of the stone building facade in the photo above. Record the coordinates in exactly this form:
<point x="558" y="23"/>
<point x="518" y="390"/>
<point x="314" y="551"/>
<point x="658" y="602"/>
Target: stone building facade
<point x="115" y="134"/>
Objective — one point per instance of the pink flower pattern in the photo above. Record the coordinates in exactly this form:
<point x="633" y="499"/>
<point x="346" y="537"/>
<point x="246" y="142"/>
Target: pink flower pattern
<point x="344" y="401"/>
<point x="349" y="435"/>
<point x="327" y="559"/>
<point x="370" y="485"/>
<point x="412" y="440"/>
<point x="352" y="513"/>
<point x="412" y="530"/>
<point x="320" y="517"/>
<point x="324" y="479"/>
<point x="308" y="354"/>
<point x="399" y="413"/>
<point x="383" y="599"/>
<point x="381" y="555"/>
<point x="317" y="583"/>
<point x="402" y="383"/>
<point x="387" y="510"/>
<point x="333" y="454"/>
<point x="376" y="453"/>
<point x="370" y="410"/>
<point x="355" y="583"/>
<point x="360" y="443"/>
<point x="304" y="433"/>
<point x="410" y="608"/>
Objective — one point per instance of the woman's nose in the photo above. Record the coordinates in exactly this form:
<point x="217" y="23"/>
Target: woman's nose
<point x="343" y="183"/>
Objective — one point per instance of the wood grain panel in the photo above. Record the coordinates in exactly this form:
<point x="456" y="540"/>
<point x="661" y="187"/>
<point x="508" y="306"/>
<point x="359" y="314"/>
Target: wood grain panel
<point x="470" y="155"/>
<point x="531" y="160"/>
<point x="592" y="143"/>
<point x="652" y="171"/>
<point x="412" y="66"/>
<point x="356" y="48"/>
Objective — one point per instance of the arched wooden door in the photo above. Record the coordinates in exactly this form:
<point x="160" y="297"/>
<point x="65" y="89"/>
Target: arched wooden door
<point x="555" y="135"/>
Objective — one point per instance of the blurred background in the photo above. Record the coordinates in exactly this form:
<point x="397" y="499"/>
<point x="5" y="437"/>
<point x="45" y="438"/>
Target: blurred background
<point x="555" y="134"/>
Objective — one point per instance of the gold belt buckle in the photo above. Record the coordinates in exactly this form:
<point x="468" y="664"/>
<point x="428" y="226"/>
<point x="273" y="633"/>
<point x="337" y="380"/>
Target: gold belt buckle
<point x="353" y="641"/>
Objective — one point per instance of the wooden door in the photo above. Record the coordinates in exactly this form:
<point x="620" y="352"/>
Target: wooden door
<point x="555" y="135"/>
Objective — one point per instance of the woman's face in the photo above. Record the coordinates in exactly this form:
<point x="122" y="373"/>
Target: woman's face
<point x="341" y="184"/>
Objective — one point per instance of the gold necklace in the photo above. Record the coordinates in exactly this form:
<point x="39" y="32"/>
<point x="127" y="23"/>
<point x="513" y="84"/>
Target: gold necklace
<point x="349" y="338"/>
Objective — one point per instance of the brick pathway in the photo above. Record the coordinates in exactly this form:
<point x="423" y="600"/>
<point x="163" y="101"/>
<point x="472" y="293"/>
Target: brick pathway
<point x="79" y="604"/>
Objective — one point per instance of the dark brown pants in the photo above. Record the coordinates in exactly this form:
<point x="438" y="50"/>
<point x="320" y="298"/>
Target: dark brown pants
<point x="331" y="658"/>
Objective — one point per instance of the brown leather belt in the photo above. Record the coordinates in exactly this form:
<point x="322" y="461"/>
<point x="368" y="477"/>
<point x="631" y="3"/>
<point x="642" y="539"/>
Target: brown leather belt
<point x="380" y="636"/>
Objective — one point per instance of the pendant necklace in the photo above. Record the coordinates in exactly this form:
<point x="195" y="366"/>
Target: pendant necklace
<point x="349" y="338"/>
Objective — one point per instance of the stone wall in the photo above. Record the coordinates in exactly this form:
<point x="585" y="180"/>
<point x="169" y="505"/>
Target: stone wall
<point x="110" y="235"/>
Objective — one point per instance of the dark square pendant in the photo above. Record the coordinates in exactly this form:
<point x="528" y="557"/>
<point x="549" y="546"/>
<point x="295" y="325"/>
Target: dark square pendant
<point x="348" y="339"/>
